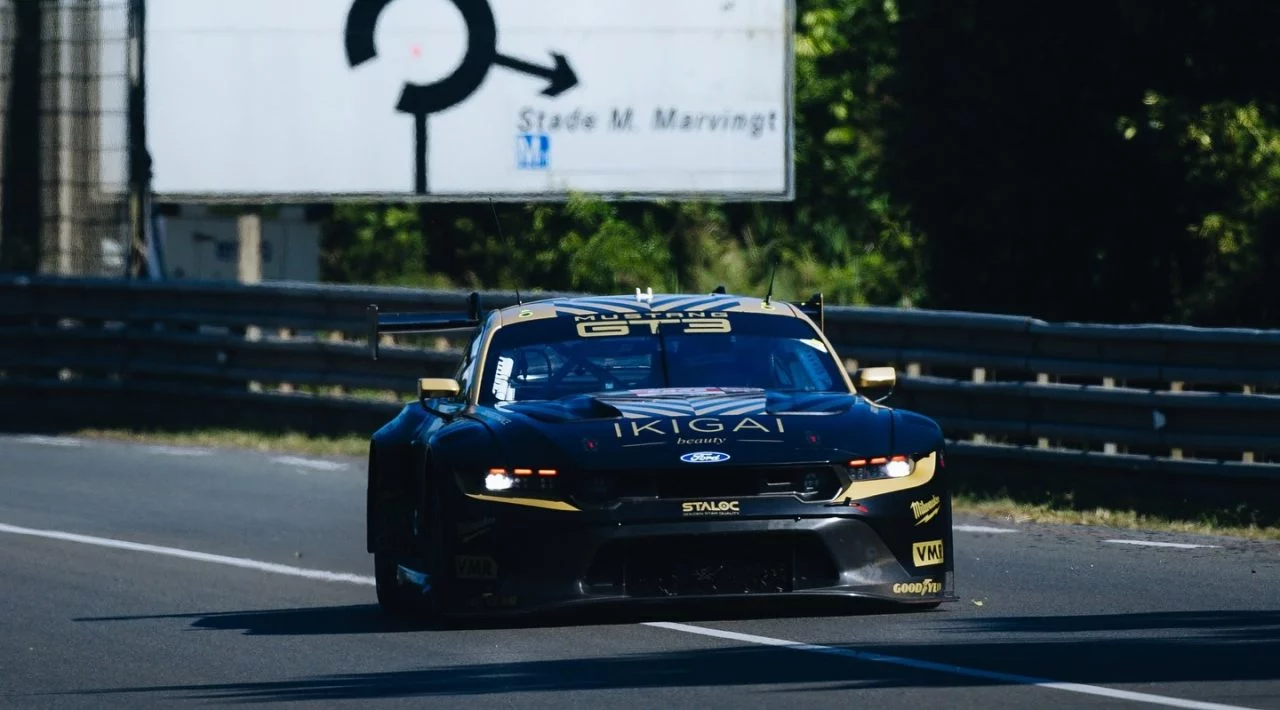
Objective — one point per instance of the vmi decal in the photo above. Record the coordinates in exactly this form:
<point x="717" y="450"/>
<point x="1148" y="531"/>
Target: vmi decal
<point x="925" y="510"/>
<point x="924" y="554"/>
<point x="922" y="588"/>
<point x="710" y="507"/>
<point x="466" y="567"/>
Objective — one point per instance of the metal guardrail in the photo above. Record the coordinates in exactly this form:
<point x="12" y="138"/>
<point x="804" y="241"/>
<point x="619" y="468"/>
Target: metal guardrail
<point x="1166" y="399"/>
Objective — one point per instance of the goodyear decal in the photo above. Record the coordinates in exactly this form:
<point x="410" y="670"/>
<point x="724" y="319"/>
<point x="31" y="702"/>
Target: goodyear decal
<point x="928" y="553"/>
<point x="925" y="510"/>
<point x="922" y="588"/>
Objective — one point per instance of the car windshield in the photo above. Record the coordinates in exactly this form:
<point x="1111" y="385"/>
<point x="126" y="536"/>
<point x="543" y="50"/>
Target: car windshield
<point x="562" y="356"/>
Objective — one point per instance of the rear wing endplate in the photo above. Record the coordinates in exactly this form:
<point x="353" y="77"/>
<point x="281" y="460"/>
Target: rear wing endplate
<point x="380" y="323"/>
<point x="813" y="308"/>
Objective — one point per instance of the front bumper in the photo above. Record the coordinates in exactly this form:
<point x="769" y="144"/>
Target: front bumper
<point x="503" y="561"/>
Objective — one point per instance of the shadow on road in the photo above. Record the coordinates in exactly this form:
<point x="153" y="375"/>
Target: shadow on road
<point x="368" y="619"/>
<point x="1180" y="647"/>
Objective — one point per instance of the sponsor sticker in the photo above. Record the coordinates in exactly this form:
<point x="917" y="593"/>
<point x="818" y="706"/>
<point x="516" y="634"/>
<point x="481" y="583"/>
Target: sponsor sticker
<point x="502" y="388"/>
<point x="615" y="324"/>
<point x="925" y="510"/>
<point x="704" y="457"/>
<point x="494" y="601"/>
<point x="928" y="553"/>
<point x="472" y="530"/>
<point x="711" y="507"/>
<point x="698" y="425"/>
<point x="922" y="588"/>
<point x="469" y="567"/>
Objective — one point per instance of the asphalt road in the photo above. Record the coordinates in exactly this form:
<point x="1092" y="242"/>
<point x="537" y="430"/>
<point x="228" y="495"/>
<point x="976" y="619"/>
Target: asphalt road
<point x="136" y="576"/>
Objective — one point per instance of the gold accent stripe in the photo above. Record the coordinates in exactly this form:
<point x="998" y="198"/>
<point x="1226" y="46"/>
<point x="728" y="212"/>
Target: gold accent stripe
<point x="862" y="490"/>
<point x="531" y="502"/>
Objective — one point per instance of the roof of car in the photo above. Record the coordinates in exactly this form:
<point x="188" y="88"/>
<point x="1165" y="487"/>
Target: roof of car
<point x="644" y="303"/>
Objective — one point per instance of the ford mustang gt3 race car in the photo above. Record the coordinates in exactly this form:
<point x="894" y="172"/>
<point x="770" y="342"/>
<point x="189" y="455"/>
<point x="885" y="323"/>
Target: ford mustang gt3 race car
<point x="651" y="447"/>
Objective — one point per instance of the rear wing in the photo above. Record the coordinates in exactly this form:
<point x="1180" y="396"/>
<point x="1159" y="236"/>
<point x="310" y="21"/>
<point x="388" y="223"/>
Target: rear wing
<point x="813" y="308"/>
<point x="380" y="323"/>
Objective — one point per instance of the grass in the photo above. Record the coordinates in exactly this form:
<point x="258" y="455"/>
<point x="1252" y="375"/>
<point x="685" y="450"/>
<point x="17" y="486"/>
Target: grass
<point x="1006" y="508"/>
<point x="291" y="442"/>
<point x="1001" y="506"/>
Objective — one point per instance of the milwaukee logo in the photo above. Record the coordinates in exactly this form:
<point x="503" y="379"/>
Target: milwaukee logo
<point x="925" y="510"/>
<point x="710" y="507"/>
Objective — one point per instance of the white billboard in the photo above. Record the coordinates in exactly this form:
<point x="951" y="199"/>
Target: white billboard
<point x="318" y="100"/>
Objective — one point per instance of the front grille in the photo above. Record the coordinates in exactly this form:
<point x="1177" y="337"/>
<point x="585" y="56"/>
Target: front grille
<point x="808" y="482"/>
<point x="710" y="565"/>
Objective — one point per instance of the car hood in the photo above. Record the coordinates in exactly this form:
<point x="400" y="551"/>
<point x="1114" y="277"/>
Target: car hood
<point x="657" y="427"/>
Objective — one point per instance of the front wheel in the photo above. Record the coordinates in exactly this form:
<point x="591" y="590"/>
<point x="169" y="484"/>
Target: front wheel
<point x="397" y="600"/>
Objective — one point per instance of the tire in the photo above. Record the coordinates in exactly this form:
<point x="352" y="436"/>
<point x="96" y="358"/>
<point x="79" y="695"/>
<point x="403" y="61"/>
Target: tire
<point x="397" y="601"/>
<point x="405" y="602"/>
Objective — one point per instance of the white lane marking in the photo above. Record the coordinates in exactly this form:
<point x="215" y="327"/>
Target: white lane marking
<point x="326" y="576"/>
<point x="50" y="440"/>
<point x="318" y="464"/>
<point x="1152" y="543"/>
<point x="322" y="575"/>
<point x="980" y="529"/>
<point x="178" y="451"/>
<point x="947" y="668"/>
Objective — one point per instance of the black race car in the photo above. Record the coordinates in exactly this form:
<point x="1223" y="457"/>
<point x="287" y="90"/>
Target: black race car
<point x="638" y="448"/>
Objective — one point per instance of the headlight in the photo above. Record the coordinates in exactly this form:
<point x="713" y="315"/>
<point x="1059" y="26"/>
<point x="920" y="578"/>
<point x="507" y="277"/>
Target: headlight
<point x="881" y="467"/>
<point x="520" y="479"/>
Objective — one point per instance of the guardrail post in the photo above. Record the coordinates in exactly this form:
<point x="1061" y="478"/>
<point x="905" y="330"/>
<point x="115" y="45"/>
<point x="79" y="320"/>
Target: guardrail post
<point x="249" y="268"/>
<point x="979" y="376"/>
<point x="1176" y="452"/>
<point x="1247" y="457"/>
<point x="1110" y="448"/>
<point x="337" y="337"/>
<point x="286" y="334"/>
<point x="1042" y="378"/>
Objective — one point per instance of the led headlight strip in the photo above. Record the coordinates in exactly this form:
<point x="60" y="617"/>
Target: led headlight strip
<point x="887" y="474"/>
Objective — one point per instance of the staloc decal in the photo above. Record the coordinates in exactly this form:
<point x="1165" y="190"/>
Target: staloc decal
<point x="711" y="507"/>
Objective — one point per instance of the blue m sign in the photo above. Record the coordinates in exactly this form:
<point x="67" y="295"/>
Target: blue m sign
<point x="532" y="151"/>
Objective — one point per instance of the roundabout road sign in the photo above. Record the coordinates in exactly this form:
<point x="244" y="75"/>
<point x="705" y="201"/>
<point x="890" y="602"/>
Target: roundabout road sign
<point x="253" y="101"/>
<point x="422" y="100"/>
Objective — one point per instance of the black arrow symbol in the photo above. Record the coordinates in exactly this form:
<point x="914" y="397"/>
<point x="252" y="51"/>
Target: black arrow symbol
<point x="561" y="75"/>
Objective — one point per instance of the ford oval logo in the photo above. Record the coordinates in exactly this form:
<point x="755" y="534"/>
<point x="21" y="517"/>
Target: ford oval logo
<point x="704" y="457"/>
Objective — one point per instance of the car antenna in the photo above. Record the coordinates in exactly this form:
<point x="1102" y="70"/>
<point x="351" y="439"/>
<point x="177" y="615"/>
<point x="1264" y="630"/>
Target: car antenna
<point x="772" y="274"/>
<point x="498" y="223"/>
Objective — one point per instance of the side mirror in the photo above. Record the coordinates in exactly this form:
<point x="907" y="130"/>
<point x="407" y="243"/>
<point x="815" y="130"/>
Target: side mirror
<point x="432" y="387"/>
<point x="876" y="383"/>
